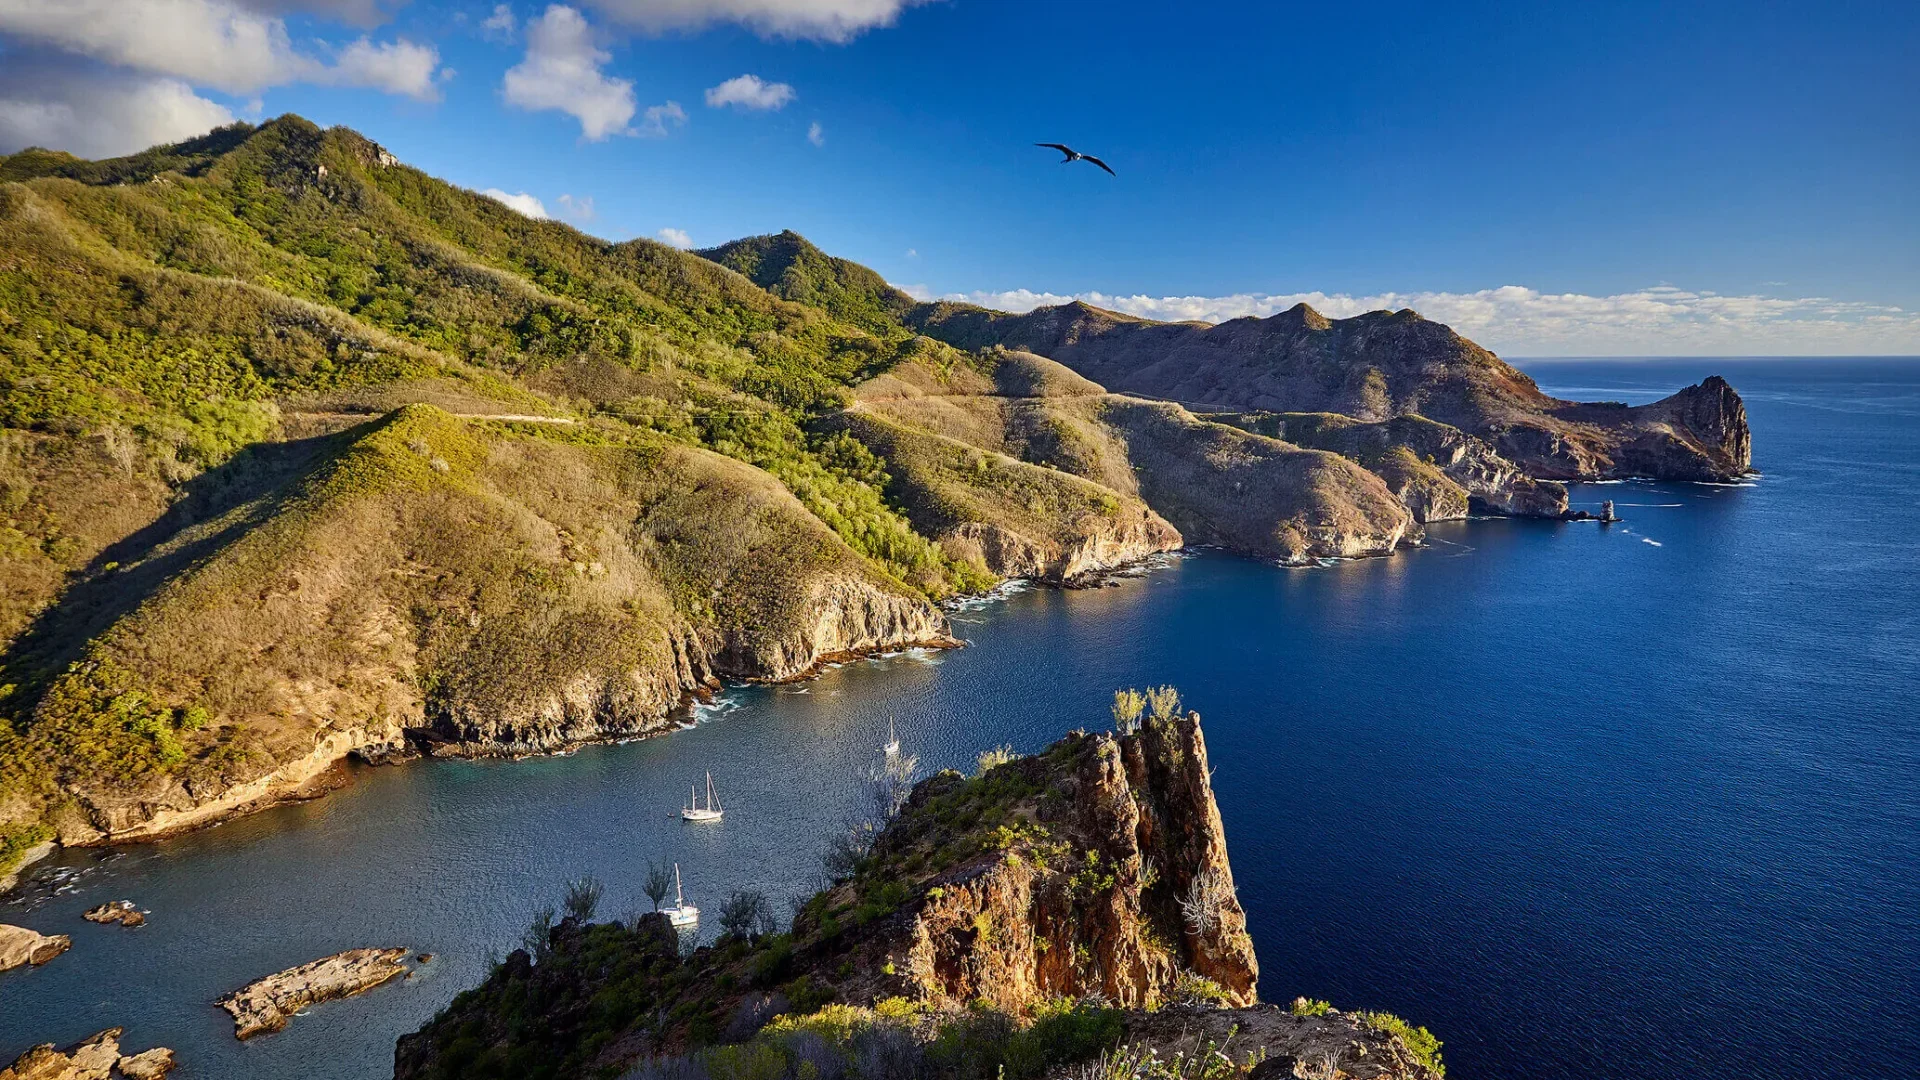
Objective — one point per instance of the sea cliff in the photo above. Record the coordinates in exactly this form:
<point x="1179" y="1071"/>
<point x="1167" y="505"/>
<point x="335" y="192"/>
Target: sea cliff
<point x="1074" y="905"/>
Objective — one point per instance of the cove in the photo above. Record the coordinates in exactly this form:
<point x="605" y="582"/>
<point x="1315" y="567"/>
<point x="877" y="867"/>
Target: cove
<point x="1636" y="801"/>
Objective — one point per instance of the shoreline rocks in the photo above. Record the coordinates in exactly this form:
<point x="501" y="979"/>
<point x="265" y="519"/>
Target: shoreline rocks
<point x="117" y="911"/>
<point x="97" y="1057"/>
<point x="266" y="1005"/>
<point x="21" y="947"/>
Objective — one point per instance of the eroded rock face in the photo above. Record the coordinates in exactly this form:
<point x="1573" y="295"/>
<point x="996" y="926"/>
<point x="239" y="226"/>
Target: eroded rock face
<point x="1439" y="471"/>
<point x="20" y="946"/>
<point x="1129" y="888"/>
<point x="267" y="1005"/>
<point x="1256" y="495"/>
<point x="95" y="1058"/>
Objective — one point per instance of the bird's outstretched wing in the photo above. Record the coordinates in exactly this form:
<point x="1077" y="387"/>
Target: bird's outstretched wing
<point x="1100" y="163"/>
<point x="1067" y="150"/>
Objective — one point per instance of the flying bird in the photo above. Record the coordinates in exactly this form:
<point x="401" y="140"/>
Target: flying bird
<point x="1075" y="155"/>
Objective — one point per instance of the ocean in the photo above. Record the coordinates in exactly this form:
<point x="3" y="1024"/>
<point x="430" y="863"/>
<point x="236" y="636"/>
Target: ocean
<point x="1633" y="801"/>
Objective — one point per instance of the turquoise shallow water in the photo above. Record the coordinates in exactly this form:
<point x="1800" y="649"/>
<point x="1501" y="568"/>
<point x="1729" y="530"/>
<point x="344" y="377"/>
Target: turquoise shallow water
<point x="1640" y="801"/>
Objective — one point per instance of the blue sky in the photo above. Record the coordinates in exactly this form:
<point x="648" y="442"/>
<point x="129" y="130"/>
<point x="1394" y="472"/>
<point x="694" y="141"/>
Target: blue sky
<point x="1551" y="179"/>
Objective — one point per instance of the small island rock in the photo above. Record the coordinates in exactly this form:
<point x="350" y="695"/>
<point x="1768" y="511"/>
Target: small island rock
<point x="95" y="1058"/>
<point x="151" y="1065"/>
<point x="267" y="1004"/>
<point x="20" y="946"/>
<point x="117" y="911"/>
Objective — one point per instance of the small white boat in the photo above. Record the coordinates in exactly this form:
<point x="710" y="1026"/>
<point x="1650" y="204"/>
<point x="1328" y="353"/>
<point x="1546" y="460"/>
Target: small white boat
<point x="681" y="913"/>
<point x="893" y="741"/>
<point x="693" y="811"/>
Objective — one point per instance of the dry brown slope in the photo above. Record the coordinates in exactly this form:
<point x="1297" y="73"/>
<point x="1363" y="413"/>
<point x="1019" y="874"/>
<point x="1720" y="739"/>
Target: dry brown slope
<point x="1372" y="367"/>
<point x="1216" y="484"/>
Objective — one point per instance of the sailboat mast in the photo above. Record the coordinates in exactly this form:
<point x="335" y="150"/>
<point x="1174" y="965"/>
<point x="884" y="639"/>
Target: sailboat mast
<point x="678" y="899"/>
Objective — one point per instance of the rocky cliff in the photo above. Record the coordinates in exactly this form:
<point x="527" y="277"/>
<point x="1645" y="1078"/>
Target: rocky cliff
<point x="1094" y="872"/>
<point x="1214" y="484"/>
<point x="1437" y="470"/>
<point x="1371" y="367"/>
<point x="1012" y="518"/>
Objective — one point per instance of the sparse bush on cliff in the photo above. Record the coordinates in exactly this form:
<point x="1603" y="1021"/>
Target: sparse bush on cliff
<point x="1163" y="703"/>
<point x="1128" y="705"/>
<point x="537" y="939"/>
<point x="747" y="914"/>
<point x="659" y="882"/>
<point x="1421" y="1042"/>
<point x="582" y="898"/>
<point x="989" y="760"/>
<point x="1203" y="901"/>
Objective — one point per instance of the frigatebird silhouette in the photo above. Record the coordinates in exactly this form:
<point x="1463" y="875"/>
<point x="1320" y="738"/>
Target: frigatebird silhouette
<point x="1075" y="155"/>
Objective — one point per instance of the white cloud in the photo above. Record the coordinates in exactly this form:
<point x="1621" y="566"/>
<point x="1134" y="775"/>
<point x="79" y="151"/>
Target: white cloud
<point x="816" y="134"/>
<point x="658" y="118"/>
<point x="748" y="92"/>
<point x="222" y="44"/>
<point x="501" y="24"/>
<point x="576" y="208"/>
<point x="675" y="238"/>
<point x="394" y="67"/>
<point x="99" y="117"/>
<point x="1662" y="320"/>
<point x="521" y="201"/>
<point x="562" y="72"/>
<point x="913" y="253"/>
<point x="836" y="21"/>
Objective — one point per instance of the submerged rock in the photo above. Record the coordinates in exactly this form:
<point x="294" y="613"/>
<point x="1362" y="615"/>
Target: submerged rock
<point x="267" y="1005"/>
<point x="117" y="911"/>
<point x="95" y="1058"/>
<point x="20" y="946"/>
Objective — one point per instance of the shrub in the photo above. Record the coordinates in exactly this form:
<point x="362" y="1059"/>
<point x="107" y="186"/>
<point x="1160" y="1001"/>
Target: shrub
<point x="1127" y="707"/>
<point x="990" y="760"/>
<point x="1420" y="1042"/>
<point x="582" y="898"/>
<point x="1303" y="1006"/>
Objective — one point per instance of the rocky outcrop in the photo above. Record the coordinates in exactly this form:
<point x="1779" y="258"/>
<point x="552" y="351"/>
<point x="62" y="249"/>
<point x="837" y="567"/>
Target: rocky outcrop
<point x="1259" y="496"/>
<point x="121" y="912"/>
<point x="267" y="1004"/>
<point x="1009" y="517"/>
<point x="150" y="1065"/>
<point x="1123" y="888"/>
<point x="1371" y="367"/>
<point x="1212" y="483"/>
<point x="1439" y="471"/>
<point x="20" y="947"/>
<point x="1285" y="1044"/>
<point x="94" y="1058"/>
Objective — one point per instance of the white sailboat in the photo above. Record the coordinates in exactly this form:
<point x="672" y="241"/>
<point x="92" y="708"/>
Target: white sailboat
<point x="681" y="913"/>
<point x="693" y="811"/>
<point x="893" y="741"/>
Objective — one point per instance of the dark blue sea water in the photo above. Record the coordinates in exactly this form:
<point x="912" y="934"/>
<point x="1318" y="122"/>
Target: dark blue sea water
<point x="1638" y="802"/>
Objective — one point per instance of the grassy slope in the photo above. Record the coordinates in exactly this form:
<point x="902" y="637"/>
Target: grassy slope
<point x="180" y="330"/>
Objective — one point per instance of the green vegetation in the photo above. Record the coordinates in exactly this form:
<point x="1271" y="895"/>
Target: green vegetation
<point x="789" y="267"/>
<point x="1419" y="1041"/>
<point x="194" y="326"/>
